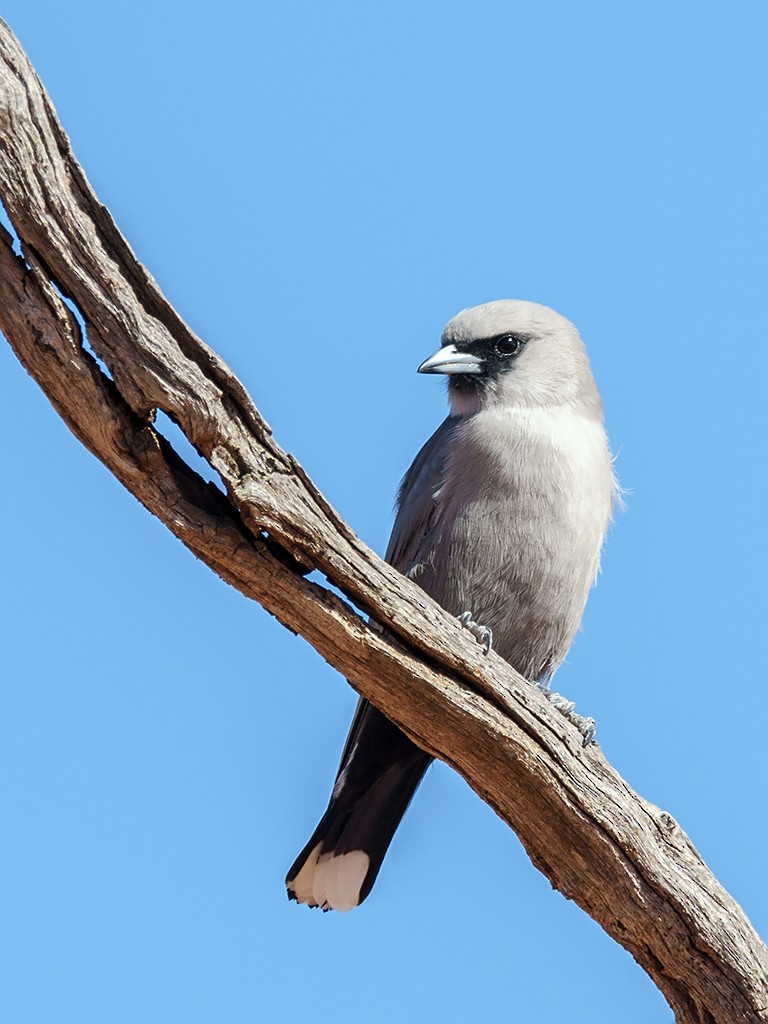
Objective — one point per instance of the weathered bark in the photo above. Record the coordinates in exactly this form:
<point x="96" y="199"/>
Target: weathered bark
<point x="625" y="862"/>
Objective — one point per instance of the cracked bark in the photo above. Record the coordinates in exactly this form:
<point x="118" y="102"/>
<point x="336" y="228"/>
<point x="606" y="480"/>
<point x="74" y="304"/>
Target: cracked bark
<point x="625" y="862"/>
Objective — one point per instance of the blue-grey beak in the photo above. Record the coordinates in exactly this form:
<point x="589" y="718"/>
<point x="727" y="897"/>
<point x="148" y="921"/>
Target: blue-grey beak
<point x="449" y="360"/>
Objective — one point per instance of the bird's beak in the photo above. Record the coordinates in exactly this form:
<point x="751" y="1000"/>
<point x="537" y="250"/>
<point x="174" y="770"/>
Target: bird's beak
<point x="448" y="359"/>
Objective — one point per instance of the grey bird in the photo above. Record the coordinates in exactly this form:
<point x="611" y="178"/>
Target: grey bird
<point x="501" y="519"/>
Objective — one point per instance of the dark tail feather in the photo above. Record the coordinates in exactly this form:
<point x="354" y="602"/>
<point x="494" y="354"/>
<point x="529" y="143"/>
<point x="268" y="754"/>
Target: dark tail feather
<point x="379" y="773"/>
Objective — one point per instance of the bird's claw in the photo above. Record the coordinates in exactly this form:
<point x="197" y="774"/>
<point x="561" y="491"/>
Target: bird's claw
<point x="483" y="634"/>
<point x="567" y="708"/>
<point x="586" y="725"/>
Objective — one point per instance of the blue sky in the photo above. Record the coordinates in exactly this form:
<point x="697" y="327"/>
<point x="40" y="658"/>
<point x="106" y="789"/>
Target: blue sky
<point x="318" y="189"/>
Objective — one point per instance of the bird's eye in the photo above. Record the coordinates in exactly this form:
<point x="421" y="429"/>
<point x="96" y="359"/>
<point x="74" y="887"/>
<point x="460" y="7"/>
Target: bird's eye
<point x="508" y="345"/>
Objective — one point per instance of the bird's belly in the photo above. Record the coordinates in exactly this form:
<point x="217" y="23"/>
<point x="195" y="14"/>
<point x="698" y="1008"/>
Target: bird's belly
<point x="522" y="559"/>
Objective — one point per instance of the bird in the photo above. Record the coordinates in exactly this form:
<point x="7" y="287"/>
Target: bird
<point x="501" y="519"/>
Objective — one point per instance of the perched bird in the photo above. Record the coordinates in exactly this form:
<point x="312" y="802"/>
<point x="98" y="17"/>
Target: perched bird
<point x="501" y="519"/>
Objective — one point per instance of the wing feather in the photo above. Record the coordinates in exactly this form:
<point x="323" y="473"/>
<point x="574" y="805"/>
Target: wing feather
<point x="417" y="500"/>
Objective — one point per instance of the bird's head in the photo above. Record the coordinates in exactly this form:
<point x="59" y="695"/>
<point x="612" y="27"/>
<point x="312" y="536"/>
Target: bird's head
<point x="511" y="353"/>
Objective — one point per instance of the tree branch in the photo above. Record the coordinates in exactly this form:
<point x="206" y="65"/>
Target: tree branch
<point x="625" y="862"/>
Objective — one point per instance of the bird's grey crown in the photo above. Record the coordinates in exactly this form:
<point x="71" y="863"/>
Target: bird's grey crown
<point x="500" y="316"/>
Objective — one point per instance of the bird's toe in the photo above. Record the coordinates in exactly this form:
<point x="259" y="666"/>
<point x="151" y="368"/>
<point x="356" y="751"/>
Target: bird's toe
<point x="567" y="708"/>
<point x="483" y="634"/>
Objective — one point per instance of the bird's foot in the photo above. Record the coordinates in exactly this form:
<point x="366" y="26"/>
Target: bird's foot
<point x="567" y="708"/>
<point x="483" y="634"/>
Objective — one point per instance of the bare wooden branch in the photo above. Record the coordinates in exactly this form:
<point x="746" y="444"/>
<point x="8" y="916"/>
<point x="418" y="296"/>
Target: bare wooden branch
<point x="625" y="862"/>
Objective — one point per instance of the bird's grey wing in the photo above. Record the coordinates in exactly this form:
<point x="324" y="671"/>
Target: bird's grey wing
<point x="417" y="506"/>
<point x="415" y="519"/>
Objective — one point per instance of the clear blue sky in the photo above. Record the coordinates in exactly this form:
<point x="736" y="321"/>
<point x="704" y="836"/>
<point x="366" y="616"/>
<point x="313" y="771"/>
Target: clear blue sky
<point x="318" y="188"/>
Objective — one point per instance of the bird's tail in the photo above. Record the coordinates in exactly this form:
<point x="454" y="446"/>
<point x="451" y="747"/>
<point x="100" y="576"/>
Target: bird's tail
<point x="379" y="773"/>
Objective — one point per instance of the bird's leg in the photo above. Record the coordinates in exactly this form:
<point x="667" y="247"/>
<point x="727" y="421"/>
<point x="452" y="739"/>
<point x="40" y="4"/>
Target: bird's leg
<point x="567" y="708"/>
<point x="483" y="634"/>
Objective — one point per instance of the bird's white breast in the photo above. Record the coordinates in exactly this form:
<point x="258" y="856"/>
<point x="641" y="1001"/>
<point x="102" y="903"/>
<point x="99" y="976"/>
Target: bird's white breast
<point x="580" y="447"/>
<point x="579" y="440"/>
<point x="513" y="433"/>
<point x="534" y="460"/>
